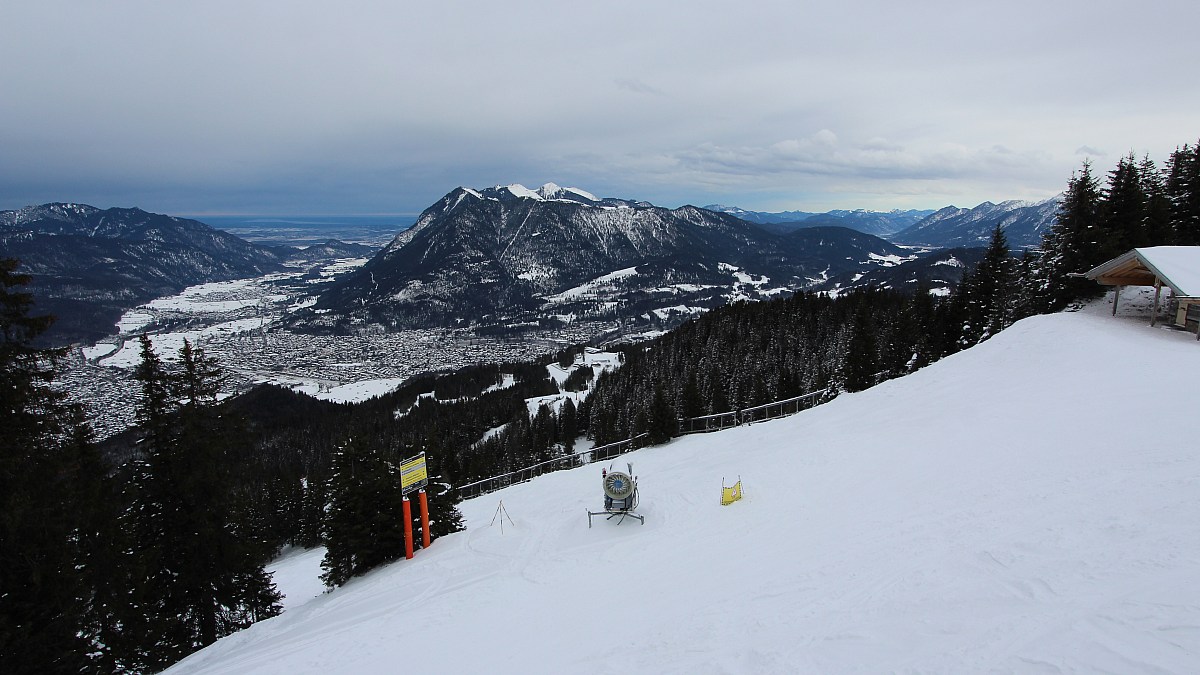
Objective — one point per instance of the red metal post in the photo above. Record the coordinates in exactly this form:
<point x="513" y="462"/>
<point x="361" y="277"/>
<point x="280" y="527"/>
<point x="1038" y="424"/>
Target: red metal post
<point x="408" y="542"/>
<point x="424" y="502"/>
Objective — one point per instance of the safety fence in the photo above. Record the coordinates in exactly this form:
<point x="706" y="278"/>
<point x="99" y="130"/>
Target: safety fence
<point x="690" y="425"/>
<point x="767" y="411"/>
<point x="598" y="454"/>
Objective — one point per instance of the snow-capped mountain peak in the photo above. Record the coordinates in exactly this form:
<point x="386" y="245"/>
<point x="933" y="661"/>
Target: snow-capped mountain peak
<point x="521" y="192"/>
<point x="552" y="191"/>
<point x="548" y="192"/>
<point x="495" y="254"/>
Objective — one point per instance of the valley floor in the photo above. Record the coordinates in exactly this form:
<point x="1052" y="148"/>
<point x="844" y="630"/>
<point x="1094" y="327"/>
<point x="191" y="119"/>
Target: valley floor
<point x="234" y="322"/>
<point x="1028" y="505"/>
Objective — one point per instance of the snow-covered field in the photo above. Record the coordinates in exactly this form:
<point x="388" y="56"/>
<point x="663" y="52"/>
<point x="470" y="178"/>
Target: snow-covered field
<point x="167" y="345"/>
<point x="1029" y="505"/>
<point x="354" y="392"/>
<point x="603" y="282"/>
<point x="297" y="575"/>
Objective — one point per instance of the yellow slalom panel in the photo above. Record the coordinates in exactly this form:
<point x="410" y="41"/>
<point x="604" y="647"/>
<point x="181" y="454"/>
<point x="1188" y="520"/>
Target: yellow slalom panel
<point x="731" y="494"/>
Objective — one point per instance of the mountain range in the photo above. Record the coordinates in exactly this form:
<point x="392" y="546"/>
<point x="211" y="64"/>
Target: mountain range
<point x="1023" y="223"/>
<point x="508" y="255"/>
<point x="878" y="223"/>
<point x="89" y="265"/>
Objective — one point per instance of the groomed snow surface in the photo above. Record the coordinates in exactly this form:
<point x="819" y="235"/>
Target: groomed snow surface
<point x="1029" y="505"/>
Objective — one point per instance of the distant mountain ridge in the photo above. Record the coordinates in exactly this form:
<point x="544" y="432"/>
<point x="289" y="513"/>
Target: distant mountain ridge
<point x="878" y="223"/>
<point x="508" y="253"/>
<point x="89" y="265"/>
<point x="333" y="248"/>
<point x="1023" y="223"/>
<point x="762" y="217"/>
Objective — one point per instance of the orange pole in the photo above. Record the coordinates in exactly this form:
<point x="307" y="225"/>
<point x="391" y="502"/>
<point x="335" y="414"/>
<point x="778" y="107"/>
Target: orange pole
<point x="424" y="502"/>
<point x="408" y="542"/>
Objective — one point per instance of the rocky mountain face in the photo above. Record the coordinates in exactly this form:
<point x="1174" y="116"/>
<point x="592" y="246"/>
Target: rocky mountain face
<point x="1023" y="223"/>
<point x="89" y="265"/>
<point x="878" y="223"/>
<point x="506" y="255"/>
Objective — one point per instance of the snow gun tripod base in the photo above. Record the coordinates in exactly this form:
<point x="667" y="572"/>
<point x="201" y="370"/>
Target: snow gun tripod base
<point x="614" y="514"/>
<point x="620" y="497"/>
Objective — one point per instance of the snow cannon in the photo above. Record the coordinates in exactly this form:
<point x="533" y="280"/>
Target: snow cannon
<point x="620" y="496"/>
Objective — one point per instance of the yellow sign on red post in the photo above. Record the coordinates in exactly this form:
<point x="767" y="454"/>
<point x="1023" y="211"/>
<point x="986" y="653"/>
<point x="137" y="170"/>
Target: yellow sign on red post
<point x="413" y="474"/>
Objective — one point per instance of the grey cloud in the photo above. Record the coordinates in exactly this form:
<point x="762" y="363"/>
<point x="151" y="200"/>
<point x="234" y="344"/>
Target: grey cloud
<point x="638" y="87"/>
<point x="823" y="155"/>
<point x="281" y="106"/>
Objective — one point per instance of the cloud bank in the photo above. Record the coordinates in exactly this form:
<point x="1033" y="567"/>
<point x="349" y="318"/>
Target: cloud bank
<point x="374" y="107"/>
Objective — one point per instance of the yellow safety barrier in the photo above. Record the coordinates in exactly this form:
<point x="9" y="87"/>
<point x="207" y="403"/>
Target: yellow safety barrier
<point x="731" y="494"/>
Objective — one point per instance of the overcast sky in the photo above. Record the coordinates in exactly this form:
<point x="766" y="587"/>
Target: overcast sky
<point x="304" y="107"/>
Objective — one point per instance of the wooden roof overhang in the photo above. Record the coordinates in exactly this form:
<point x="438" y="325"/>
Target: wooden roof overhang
<point x="1128" y="270"/>
<point x="1131" y="273"/>
<point x="1146" y="267"/>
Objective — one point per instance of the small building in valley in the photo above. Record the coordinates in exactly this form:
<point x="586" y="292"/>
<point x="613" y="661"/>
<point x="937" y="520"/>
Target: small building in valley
<point x="1176" y="267"/>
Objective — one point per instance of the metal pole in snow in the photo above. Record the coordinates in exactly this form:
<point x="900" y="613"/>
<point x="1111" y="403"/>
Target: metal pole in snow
<point x="1157" y="292"/>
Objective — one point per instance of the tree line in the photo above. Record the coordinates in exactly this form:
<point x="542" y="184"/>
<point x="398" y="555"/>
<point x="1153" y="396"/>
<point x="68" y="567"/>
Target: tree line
<point x="748" y="354"/>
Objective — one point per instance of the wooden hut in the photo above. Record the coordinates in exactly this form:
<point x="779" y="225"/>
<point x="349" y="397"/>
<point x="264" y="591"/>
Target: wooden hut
<point x="1176" y="267"/>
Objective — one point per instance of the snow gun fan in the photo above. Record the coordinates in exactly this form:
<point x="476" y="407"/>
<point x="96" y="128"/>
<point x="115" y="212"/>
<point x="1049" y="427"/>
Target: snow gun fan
<point x="620" y="496"/>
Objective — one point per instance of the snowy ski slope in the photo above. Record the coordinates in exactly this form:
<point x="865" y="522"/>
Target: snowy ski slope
<point x="1030" y="505"/>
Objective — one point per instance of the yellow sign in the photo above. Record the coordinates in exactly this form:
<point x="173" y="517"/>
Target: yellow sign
<point x="731" y="494"/>
<point x="413" y="474"/>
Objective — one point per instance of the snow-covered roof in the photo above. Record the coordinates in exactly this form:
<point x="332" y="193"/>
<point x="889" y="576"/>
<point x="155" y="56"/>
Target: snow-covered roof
<point x="1176" y="266"/>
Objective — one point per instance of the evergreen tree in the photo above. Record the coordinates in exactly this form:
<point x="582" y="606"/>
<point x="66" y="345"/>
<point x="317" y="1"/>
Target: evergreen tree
<point x="861" y="362"/>
<point x="690" y="400"/>
<point x="989" y="293"/>
<point x="1123" y="211"/>
<point x="1073" y="244"/>
<point x="1156" y="224"/>
<point x="662" y="424"/>
<point x="1029" y="290"/>
<point x="312" y="511"/>
<point x="543" y="433"/>
<point x="923" y="311"/>
<point x="565" y="358"/>
<point x="364" y="522"/>
<point x="568" y="428"/>
<point x="1183" y="193"/>
<point x="43" y="626"/>
<point x="204" y="578"/>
